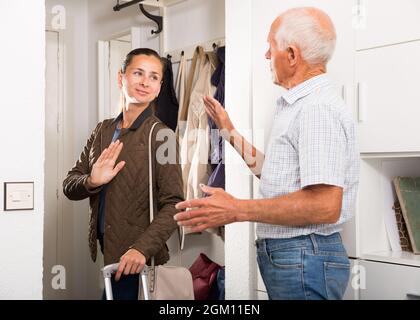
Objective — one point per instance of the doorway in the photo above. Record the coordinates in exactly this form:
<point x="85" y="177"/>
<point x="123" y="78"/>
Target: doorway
<point x="111" y="54"/>
<point x="54" y="147"/>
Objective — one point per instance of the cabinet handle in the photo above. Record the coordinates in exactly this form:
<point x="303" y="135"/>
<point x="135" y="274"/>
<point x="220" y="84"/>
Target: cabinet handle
<point x="413" y="296"/>
<point x="362" y="101"/>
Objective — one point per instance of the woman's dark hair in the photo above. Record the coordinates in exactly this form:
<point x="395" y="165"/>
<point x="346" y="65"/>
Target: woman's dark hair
<point x="141" y="51"/>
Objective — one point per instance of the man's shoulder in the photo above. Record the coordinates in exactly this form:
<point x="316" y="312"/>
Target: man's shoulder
<point x="325" y="100"/>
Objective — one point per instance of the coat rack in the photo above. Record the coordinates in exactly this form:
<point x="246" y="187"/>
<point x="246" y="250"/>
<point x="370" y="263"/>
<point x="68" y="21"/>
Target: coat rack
<point x="163" y="5"/>
<point x="157" y="19"/>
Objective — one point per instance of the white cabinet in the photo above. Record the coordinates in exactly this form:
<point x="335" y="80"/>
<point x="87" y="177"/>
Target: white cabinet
<point x="376" y="198"/>
<point x="386" y="281"/>
<point x="386" y="101"/>
<point x="389" y="98"/>
<point x="387" y="64"/>
<point x="387" y="22"/>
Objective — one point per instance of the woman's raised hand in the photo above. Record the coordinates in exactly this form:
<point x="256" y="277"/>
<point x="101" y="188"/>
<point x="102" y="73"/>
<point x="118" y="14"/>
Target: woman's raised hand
<point x="104" y="169"/>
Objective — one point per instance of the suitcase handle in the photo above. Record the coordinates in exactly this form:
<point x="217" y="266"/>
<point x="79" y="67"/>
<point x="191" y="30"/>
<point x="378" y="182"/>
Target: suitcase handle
<point x="110" y="269"/>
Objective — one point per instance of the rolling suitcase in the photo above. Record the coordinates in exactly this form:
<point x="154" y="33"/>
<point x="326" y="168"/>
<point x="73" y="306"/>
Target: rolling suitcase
<point x="110" y="269"/>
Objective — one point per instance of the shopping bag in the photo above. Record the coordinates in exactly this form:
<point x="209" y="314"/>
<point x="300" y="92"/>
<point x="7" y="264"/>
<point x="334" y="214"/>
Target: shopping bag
<point x="204" y="275"/>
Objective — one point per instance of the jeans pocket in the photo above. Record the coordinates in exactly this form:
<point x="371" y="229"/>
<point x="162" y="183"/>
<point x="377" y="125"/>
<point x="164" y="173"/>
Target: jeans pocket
<point x="286" y="259"/>
<point x="282" y="274"/>
<point x="337" y="276"/>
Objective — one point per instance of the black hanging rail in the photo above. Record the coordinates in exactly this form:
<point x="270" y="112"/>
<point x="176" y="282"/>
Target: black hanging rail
<point x="119" y="6"/>
<point x="157" y="19"/>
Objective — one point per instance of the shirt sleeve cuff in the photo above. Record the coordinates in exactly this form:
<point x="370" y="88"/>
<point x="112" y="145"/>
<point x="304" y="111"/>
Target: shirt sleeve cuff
<point x="314" y="180"/>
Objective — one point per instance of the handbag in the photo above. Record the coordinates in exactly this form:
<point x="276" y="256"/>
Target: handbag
<point x="204" y="272"/>
<point x="164" y="282"/>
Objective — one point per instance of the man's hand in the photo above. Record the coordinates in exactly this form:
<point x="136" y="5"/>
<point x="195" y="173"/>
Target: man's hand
<point x="217" y="210"/>
<point x="104" y="169"/>
<point x="219" y="115"/>
<point x="132" y="262"/>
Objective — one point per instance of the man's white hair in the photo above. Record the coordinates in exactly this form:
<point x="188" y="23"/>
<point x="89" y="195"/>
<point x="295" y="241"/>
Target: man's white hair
<point x="311" y="30"/>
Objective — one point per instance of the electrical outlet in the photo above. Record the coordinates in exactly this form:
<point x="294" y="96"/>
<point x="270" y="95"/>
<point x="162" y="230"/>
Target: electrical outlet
<point x="18" y="196"/>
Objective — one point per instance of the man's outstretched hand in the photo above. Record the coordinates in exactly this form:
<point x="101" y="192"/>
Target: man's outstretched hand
<point x="219" y="209"/>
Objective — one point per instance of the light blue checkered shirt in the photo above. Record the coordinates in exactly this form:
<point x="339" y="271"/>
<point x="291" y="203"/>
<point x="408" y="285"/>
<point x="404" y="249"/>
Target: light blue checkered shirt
<point x="312" y="141"/>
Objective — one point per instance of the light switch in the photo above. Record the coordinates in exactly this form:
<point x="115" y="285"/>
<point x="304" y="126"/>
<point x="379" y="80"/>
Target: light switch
<point x="18" y="196"/>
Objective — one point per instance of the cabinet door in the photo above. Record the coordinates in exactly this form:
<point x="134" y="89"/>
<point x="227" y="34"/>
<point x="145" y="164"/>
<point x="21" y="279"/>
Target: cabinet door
<point x="388" y="98"/>
<point x="386" y="22"/>
<point x="386" y="281"/>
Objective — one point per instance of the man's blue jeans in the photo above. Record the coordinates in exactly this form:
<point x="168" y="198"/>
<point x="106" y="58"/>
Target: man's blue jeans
<point x="308" y="267"/>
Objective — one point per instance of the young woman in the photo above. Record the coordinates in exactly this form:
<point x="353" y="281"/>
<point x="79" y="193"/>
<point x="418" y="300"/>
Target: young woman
<point x="113" y="172"/>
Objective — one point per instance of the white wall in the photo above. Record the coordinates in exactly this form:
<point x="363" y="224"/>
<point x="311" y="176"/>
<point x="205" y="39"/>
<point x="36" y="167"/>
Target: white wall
<point x="194" y="21"/>
<point x="240" y="250"/>
<point x="22" y="111"/>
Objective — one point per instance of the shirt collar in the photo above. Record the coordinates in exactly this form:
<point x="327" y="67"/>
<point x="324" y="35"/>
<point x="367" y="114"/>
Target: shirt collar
<point x="140" y="119"/>
<point x="305" y="88"/>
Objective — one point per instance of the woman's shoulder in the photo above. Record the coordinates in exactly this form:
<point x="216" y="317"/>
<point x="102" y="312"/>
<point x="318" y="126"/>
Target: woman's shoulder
<point x="102" y="124"/>
<point x="159" y="124"/>
<point x="161" y="132"/>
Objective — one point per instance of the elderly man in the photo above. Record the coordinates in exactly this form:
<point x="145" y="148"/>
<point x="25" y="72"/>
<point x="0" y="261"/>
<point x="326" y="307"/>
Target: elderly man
<point x="309" y="175"/>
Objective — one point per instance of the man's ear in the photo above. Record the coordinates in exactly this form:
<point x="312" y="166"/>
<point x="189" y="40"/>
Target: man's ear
<point x="120" y="78"/>
<point x="293" y="54"/>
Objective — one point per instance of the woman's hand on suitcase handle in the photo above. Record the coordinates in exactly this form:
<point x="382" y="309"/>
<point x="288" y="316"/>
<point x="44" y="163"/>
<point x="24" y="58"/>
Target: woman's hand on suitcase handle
<point x="132" y="262"/>
<point x="104" y="169"/>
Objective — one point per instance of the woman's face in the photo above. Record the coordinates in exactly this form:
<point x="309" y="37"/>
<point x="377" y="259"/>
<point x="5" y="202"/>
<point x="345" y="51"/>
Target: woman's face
<point x="142" y="79"/>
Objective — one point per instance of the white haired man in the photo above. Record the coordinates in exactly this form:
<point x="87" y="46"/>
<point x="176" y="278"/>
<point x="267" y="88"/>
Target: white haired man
<point x="309" y="175"/>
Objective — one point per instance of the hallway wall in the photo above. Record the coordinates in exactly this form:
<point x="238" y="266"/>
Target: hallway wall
<point x="22" y="111"/>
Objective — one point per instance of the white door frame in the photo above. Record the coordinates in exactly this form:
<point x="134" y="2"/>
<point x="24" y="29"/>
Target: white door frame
<point x="104" y="81"/>
<point x="60" y="158"/>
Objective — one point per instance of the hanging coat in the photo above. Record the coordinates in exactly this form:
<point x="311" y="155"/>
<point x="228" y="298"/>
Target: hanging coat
<point x="217" y="177"/>
<point x="167" y="103"/>
<point x="195" y="144"/>
<point x="180" y="90"/>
